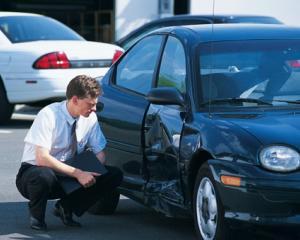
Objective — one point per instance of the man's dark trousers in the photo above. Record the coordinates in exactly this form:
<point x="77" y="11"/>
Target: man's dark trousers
<point x="39" y="184"/>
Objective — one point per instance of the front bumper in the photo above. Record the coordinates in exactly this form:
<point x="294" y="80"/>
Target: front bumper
<point x="264" y="197"/>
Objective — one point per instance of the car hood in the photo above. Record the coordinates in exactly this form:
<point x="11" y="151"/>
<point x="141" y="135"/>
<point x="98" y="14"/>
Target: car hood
<point x="269" y="127"/>
<point x="75" y="50"/>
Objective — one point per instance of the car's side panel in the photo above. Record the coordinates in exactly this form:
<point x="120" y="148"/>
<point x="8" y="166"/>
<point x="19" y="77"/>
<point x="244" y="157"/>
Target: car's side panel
<point x="162" y="131"/>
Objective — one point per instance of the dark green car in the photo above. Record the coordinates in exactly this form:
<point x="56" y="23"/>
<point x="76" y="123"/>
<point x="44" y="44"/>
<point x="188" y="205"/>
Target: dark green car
<point x="205" y="122"/>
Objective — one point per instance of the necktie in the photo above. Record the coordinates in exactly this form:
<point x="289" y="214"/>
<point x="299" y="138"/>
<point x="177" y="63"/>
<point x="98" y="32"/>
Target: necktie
<point x="73" y="139"/>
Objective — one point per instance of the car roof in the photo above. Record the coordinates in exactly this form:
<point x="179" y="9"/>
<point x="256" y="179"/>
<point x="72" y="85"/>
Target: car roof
<point x="231" y="32"/>
<point x="10" y="14"/>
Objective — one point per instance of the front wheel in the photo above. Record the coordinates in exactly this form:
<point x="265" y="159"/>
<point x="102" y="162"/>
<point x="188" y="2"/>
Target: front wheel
<point x="107" y="204"/>
<point x="208" y="209"/>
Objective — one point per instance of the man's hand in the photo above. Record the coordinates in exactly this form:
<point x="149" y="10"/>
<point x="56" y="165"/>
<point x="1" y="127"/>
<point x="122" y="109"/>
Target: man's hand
<point x="86" y="179"/>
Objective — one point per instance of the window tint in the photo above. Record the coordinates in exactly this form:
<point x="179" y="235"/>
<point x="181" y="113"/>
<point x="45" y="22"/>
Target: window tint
<point x="34" y="28"/>
<point x="267" y="70"/>
<point x="173" y="67"/>
<point x="135" y="71"/>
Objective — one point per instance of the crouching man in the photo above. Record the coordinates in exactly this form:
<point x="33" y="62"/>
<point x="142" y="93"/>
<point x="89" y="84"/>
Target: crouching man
<point x="59" y="131"/>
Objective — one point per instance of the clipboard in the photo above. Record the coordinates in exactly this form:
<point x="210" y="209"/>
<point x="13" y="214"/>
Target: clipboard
<point x="86" y="161"/>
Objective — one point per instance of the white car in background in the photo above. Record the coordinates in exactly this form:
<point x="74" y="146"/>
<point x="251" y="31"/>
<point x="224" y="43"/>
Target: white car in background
<point x="39" y="56"/>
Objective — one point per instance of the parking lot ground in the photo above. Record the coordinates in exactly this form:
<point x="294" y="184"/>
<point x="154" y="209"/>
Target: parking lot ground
<point x="131" y="221"/>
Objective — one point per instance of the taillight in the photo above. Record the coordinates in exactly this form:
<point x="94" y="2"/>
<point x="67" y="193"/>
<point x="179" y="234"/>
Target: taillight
<point x="118" y="53"/>
<point x="295" y="63"/>
<point x="52" y="61"/>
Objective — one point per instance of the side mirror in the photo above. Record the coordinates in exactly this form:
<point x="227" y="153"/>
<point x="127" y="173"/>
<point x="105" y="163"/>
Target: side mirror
<point x="165" y="96"/>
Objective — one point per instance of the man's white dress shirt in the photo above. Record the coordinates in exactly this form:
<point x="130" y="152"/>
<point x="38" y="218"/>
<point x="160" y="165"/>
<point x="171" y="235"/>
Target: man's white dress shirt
<point x="51" y="129"/>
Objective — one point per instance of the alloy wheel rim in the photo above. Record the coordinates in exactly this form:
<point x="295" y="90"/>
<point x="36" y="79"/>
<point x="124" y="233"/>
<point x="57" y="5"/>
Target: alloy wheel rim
<point x="206" y="209"/>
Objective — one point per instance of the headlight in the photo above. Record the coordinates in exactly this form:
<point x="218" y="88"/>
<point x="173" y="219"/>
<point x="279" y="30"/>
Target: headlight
<point x="279" y="158"/>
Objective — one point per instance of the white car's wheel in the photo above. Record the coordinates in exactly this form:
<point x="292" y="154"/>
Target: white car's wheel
<point x="6" y="108"/>
<point x="208" y="209"/>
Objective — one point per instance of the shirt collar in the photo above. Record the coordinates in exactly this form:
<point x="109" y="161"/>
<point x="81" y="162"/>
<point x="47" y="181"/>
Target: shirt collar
<point x="66" y="113"/>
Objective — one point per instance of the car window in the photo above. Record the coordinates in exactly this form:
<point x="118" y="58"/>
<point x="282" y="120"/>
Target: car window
<point x="136" y="69"/>
<point x="265" y="70"/>
<point x="172" y="71"/>
<point x="35" y="28"/>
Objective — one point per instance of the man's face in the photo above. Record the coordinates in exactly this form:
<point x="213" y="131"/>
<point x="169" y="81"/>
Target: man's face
<point x="84" y="106"/>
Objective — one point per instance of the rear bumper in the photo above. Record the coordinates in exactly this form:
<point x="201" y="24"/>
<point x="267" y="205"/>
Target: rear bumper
<point x="43" y="84"/>
<point x="264" y="197"/>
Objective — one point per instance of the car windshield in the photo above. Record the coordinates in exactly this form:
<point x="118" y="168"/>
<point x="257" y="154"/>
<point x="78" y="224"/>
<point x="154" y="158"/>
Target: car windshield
<point x="34" y="28"/>
<point x="250" y="73"/>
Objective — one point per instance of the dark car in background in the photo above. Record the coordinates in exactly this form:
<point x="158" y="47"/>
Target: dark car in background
<point x="206" y="124"/>
<point x="178" y="20"/>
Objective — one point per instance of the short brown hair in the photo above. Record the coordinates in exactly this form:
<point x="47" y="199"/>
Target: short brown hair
<point x="83" y="86"/>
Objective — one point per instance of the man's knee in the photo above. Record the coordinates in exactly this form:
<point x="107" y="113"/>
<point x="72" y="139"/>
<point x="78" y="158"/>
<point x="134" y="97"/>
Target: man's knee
<point x="116" y="174"/>
<point x="41" y="182"/>
<point x="111" y="179"/>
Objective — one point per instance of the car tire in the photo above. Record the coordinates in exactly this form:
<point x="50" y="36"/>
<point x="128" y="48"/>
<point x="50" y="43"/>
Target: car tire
<point x="107" y="204"/>
<point x="207" y="207"/>
<point x="6" y="108"/>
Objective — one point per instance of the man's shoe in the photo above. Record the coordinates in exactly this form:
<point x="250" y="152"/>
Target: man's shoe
<point x="65" y="215"/>
<point x="37" y="224"/>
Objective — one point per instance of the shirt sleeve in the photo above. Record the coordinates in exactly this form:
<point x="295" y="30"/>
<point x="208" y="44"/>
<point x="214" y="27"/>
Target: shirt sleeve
<point x="41" y="131"/>
<point x="96" y="140"/>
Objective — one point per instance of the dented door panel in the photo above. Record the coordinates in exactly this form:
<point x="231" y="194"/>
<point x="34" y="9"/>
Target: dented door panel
<point x="162" y="130"/>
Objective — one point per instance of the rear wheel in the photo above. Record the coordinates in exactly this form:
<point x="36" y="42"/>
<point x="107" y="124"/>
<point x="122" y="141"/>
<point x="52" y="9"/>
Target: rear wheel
<point x="208" y="209"/>
<point x="6" y="108"/>
<point x="107" y="204"/>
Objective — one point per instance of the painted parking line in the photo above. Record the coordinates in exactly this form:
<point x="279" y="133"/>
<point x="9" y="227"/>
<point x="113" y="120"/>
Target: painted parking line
<point x="5" y="131"/>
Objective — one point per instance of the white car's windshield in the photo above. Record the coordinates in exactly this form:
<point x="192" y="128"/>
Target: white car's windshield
<point x="250" y="73"/>
<point x="34" y="28"/>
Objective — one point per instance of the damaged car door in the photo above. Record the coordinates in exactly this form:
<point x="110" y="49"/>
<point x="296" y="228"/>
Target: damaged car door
<point x="162" y="130"/>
